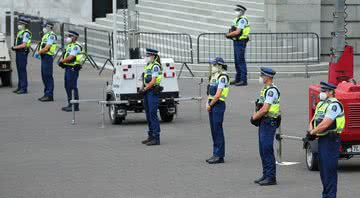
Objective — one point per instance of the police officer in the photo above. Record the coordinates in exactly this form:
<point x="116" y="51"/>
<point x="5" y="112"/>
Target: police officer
<point x="239" y="33"/>
<point x="71" y="62"/>
<point x="267" y="117"/>
<point x="21" y="47"/>
<point x="218" y="90"/>
<point x="152" y="78"/>
<point x="47" y="50"/>
<point x="327" y="124"/>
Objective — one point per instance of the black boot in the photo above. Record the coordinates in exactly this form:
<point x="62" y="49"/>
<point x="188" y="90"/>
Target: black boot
<point x="241" y="83"/>
<point x="215" y="160"/>
<point x="259" y="180"/>
<point x="268" y="182"/>
<point x="234" y="82"/>
<point x="46" y="99"/>
<point x="153" y="142"/>
<point x="21" y="92"/>
<point x="69" y="109"/>
<point x="16" y="90"/>
<point x="147" y="140"/>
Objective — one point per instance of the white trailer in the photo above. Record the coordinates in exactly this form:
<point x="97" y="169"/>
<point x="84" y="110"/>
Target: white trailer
<point x="127" y="81"/>
<point x="5" y="62"/>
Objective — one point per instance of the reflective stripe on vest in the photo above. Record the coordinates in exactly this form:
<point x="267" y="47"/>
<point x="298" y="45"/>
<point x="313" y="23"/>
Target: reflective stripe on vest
<point x="274" y="110"/>
<point x="245" y="32"/>
<point x="148" y="73"/>
<point x="20" y="37"/>
<point x="79" y="58"/>
<point x="214" y="82"/>
<point x="53" y="46"/>
<point x="320" y="112"/>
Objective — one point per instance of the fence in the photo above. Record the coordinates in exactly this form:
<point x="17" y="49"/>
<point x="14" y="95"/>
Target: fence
<point x="262" y="48"/>
<point x="121" y="44"/>
<point x="170" y="45"/>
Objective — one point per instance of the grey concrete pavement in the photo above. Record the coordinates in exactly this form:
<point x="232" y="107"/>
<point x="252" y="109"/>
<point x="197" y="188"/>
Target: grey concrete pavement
<point x="43" y="156"/>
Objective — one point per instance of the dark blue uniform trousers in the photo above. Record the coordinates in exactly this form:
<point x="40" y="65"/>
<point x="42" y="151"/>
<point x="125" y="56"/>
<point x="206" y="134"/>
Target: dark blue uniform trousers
<point x="21" y="63"/>
<point x="47" y="74"/>
<point x="151" y="104"/>
<point x="240" y="62"/>
<point x="328" y="159"/>
<point x="267" y="130"/>
<point x="70" y="78"/>
<point x="216" y="118"/>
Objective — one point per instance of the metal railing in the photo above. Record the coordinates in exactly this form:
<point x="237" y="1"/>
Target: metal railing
<point x="262" y="48"/>
<point x="170" y="45"/>
<point x="121" y="44"/>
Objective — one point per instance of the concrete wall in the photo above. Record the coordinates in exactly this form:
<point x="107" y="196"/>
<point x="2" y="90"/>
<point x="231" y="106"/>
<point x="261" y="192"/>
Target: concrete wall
<point x="74" y="11"/>
<point x="293" y="15"/>
<point x="353" y="11"/>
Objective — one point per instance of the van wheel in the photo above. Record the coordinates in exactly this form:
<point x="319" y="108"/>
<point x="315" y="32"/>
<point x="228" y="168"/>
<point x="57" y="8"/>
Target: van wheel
<point x="165" y="116"/>
<point x="114" y="118"/>
<point x="6" y="79"/>
<point x="312" y="160"/>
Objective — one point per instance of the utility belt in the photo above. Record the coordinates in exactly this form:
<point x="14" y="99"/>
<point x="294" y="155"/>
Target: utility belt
<point x="217" y="102"/>
<point x="241" y="40"/>
<point x="46" y="55"/>
<point x="332" y="135"/>
<point x="73" y="68"/>
<point x="157" y="89"/>
<point x="276" y="120"/>
<point x="23" y="50"/>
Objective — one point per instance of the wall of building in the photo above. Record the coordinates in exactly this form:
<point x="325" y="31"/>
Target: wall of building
<point x="74" y="11"/>
<point x="293" y="15"/>
<point x="353" y="20"/>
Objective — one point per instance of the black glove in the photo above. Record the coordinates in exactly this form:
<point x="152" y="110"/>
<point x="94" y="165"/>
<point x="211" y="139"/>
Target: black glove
<point x="141" y="92"/>
<point x="78" y="68"/>
<point x="309" y="137"/>
<point x="228" y="37"/>
<point x="61" y="65"/>
<point x="13" y="48"/>
<point x="255" y="122"/>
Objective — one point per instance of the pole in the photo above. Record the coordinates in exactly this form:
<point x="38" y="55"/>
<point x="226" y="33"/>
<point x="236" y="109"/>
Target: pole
<point x="338" y="44"/>
<point x="73" y="107"/>
<point x="115" y="35"/>
<point x="103" y="116"/>
<point x="200" y="96"/>
<point x="12" y="31"/>
<point x="280" y="145"/>
<point x="132" y="16"/>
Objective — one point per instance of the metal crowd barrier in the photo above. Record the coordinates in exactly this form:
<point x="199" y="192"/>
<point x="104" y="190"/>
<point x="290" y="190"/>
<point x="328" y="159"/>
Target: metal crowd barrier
<point x="104" y="103"/>
<point x="262" y="48"/>
<point x="178" y="46"/>
<point x="96" y="50"/>
<point x="121" y="44"/>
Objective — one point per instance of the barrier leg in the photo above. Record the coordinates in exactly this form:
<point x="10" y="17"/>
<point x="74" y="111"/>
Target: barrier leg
<point x="279" y="149"/>
<point x="73" y="108"/>
<point x="103" y="116"/>
<point x="279" y="138"/>
<point x="200" y="101"/>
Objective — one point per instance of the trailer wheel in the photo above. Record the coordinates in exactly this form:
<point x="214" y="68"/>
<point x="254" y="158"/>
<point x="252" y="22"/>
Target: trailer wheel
<point x="114" y="118"/>
<point x="312" y="160"/>
<point x="6" y="79"/>
<point x="165" y="116"/>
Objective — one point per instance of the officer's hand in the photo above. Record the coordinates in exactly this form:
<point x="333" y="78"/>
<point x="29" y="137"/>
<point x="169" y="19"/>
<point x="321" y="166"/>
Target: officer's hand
<point x="208" y="108"/>
<point x="310" y="136"/>
<point x="141" y="91"/>
<point x="254" y="122"/>
<point x="61" y="64"/>
<point x="227" y="36"/>
<point x="13" y="48"/>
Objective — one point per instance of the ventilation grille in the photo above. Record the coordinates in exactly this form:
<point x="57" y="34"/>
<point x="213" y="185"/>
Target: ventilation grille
<point x="354" y="116"/>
